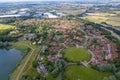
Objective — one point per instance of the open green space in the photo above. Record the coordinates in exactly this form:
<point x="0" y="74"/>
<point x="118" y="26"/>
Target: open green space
<point x="82" y="73"/>
<point x="50" y="77"/>
<point x="109" y="18"/>
<point x="4" y="27"/>
<point x="76" y="54"/>
<point x="28" y="69"/>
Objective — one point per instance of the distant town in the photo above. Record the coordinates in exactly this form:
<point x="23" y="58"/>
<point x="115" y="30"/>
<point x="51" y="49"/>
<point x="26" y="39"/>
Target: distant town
<point x="60" y="40"/>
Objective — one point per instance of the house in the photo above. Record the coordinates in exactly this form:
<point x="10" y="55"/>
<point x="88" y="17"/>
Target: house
<point x="51" y="58"/>
<point x="50" y="15"/>
<point x="43" y="69"/>
<point x="34" y="43"/>
<point x="27" y="37"/>
<point x="40" y="41"/>
<point x="39" y="58"/>
<point x="44" y="48"/>
<point x="14" y="32"/>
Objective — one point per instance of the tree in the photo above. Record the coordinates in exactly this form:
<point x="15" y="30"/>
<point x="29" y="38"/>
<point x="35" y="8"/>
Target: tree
<point x="59" y="66"/>
<point x="108" y="68"/>
<point x="105" y="78"/>
<point x="117" y="74"/>
<point x="110" y="78"/>
<point x="34" y="63"/>
<point x="25" y="77"/>
<point x="1" y="44"/>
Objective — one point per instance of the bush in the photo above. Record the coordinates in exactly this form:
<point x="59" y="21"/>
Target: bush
<point x="108" y="68"/>
<point x="117" y="74"/>
<point x="110" y="78"/>
<point x="34" y="64"/>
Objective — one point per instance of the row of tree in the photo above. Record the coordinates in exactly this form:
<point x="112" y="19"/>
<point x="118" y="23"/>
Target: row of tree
<point x="113" y="77"/>
<point x="108" y="68"/>
<point x="4" y="44"/>
<point x="59" y="66"/>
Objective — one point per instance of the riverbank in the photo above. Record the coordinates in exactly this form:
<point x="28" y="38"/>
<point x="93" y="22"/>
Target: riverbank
<point x="25" y="65"/>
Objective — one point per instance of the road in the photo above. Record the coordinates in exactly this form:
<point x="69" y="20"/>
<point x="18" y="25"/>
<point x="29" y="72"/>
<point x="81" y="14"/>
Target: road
<point x="23" y="67"/>
<point x="111" y="26"/>
<point x="92" y="58"/>
<point x="113" y="34"/>
<point x="86" y="63"/>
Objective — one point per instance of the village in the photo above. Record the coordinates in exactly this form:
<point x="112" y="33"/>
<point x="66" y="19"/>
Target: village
<point x="84" y="44"/>
<point x="68" y="34"/>
<point x="103" y="49"/>
<point x="59" y="40"/>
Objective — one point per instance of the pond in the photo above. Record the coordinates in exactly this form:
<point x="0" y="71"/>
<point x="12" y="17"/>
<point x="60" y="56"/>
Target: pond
<point x="8" y="61"/>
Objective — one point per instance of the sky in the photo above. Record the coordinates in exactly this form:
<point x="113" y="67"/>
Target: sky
<point x="28" y="0"/>
<point x="16" y="0"/>
<point x="51" y="0"/>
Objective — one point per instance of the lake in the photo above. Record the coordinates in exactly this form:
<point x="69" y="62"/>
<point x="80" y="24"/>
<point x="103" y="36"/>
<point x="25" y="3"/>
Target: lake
<point x="8" y="61"/>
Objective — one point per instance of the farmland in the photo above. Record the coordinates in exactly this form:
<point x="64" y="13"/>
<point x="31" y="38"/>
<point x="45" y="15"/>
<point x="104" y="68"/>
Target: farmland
<point x="74" y="9"/>
<point x="111" y="19"/>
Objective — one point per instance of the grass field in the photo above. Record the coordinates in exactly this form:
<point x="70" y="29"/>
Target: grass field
<point x="76" y="54"/>
<point x="50" y="77"/>
<point x="4" y="27"/>
<point x="111" y="19"/>
<point x="83" y="73"/>
<point x="29" y="70"/>
<point x="97" y="19"/>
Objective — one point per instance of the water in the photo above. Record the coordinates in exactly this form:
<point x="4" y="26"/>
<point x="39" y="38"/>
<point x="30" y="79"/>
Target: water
<point x="15" y="15"/>
<point x="8" y="61"/>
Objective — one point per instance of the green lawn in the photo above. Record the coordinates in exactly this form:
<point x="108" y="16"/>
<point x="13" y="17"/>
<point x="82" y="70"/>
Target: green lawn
<point x="83" y="73"/>
<point x="76" y="54"/>
<point x="4" y="27"/>
<point x="49" y="77"/>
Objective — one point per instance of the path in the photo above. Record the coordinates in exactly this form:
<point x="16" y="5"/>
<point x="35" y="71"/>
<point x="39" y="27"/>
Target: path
<point x="86" y="63"/>
<point x="64" y="45"/>
<point x="22" y="69"/>
<point x="92" y="58"/>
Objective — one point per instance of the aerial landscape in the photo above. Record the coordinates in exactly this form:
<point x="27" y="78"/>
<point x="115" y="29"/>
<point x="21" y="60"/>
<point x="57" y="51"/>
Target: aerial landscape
<point x="60" y="40"/>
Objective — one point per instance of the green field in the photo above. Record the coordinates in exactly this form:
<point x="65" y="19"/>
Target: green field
<point x="50" y="77"/>
<point x="76" y="54"/>
<point x="111" y="19"/>
<point x="4" y="27"/>
<point x="83" y="73"/>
